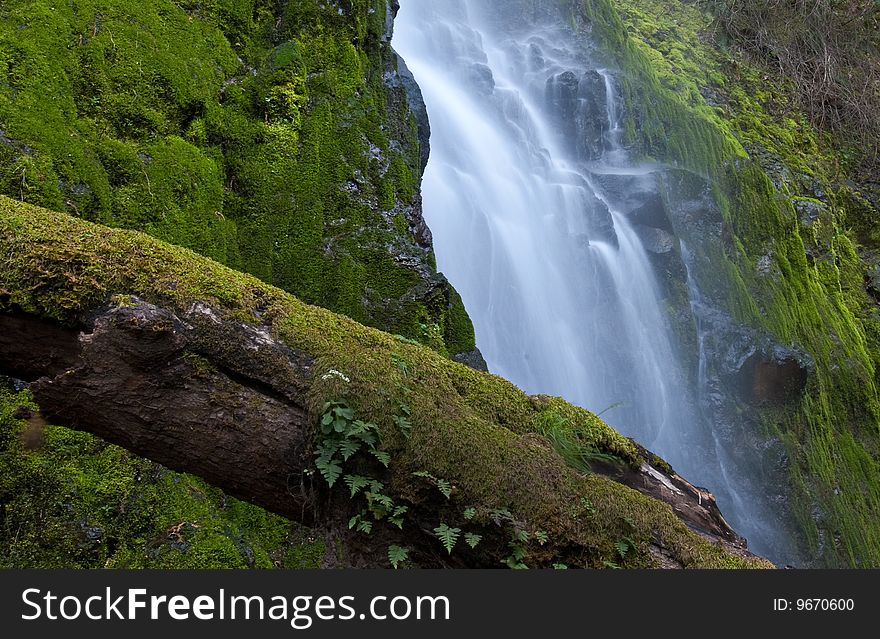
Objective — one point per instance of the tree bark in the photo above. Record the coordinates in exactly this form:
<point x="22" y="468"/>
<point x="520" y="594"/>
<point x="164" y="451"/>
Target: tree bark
<point x="144" y="379"/>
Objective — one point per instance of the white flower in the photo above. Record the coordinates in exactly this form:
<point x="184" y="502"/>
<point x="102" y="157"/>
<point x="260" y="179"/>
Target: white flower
<point x="336" y="374"/>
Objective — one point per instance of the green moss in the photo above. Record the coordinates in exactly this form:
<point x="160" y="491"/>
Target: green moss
<point x="466" y="426"/>
<point x="459" y="335"/>
<point x="254" y="132"/>
<point x="73" y="501"/>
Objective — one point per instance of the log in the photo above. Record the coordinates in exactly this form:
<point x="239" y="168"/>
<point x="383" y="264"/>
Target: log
<point x="215" y="373"/>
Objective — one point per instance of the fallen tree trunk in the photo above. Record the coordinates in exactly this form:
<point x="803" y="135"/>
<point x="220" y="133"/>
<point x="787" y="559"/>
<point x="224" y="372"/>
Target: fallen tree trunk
<point x="214" y="373"/>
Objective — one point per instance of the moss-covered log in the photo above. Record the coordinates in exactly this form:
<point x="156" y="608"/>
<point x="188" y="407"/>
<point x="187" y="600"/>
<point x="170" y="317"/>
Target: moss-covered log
<point x="213" y="372"/>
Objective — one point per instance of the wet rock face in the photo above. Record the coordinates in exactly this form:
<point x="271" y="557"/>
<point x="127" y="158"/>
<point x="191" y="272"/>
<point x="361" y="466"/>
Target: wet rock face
<point x="580" y="107"/>
<point x="562" y="100"/>
<point x="771" y="381"/>
<point x="650" y="211"/>
<point x="743" y="371"/>
<point x="592" y="116"/>
<point x="473" y="359"/>
<point x="399" y="76"/>
<point x="601" y="222"/>
<point x="638" y="197"/>
<point x="694" y="213"/>
<point x="656" y="240"/>
<point x="392" y="8"/>
<point x="810" y="211"/>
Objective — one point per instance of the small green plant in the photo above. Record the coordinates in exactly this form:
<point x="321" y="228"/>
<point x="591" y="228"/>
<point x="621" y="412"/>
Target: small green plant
<point x="586" y="507"/>
<point x="444" y="486"/>
<point x="574" y="445"/>
<point x="447" y="536"/>
<point x="396" y="517"/>
<point x="470" y="513"/>
<point x="356" y="484"/>
<point x="611" y="408"/>
<point x="383" y="457"/>
<point x="402" y="421"/>
<point x="624" y="546"/>
<point x="361" y="524"/>
<point x="516" y="559"/>
<point x="378" y="503"/>
<point x="501" y="516"/>
<point x="343" y="437"/>
<point x="397" y="555"/>
<point x="520" y="537"/>
<point x="336" y="416"/>
<point x="401" y="364"/>
<point x="472" y="539"/>
<point x="560" y="567"/>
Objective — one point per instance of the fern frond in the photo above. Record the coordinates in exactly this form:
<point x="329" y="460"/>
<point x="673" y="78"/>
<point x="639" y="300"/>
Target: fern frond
<point x="448" y="536"/>
<point x="356" y="484"/>
<point x="472" y="539"/>
<point x="444" y="487"/>
<point x="383" y="457"/>
<point x="397" y="555"/>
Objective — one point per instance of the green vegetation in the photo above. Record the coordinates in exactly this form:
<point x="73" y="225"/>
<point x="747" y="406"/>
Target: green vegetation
<point x="701" y="107"/>
<point x="397" y="555"/>
<point x="259" y="133"/>
<point x="828" y="51"/>
<point x="342" y="437"/>
<point x="447" y="536"/>
<point x="477" y="431"/>
<point x="574" y="446"/>
<point x="69" y="500"/>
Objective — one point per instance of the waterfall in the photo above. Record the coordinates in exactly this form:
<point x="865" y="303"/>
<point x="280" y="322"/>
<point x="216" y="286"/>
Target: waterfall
<point x="534" y="204"/>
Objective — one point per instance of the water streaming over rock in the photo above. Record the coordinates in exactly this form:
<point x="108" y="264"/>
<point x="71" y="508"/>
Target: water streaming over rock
<point x="543" y="223"/>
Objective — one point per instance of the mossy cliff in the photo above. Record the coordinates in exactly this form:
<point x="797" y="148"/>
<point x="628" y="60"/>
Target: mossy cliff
<point x="478" y="433"/>
<point x="273" y="136"/>
<point x="791" y="255"/>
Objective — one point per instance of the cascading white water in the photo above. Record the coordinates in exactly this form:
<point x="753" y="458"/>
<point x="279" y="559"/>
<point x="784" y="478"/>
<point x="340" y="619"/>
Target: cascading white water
<point x="530" y="228"/>
<point x="557" y="282"/>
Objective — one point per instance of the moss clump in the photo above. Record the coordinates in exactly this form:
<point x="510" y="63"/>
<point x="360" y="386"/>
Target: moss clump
<point x="475" y="430"/>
